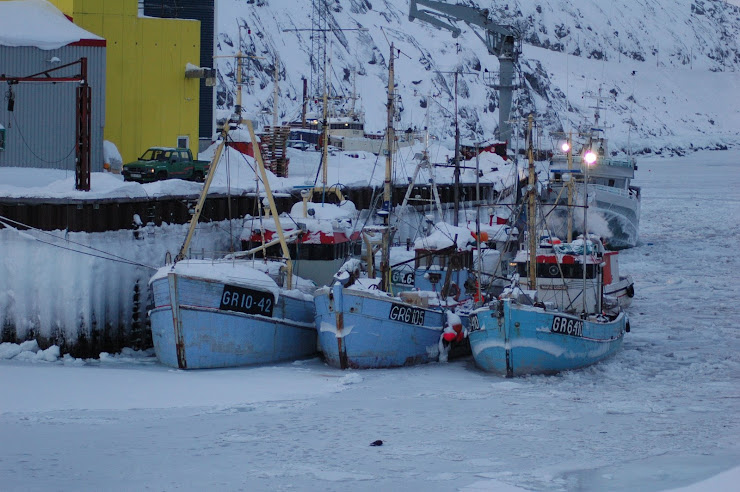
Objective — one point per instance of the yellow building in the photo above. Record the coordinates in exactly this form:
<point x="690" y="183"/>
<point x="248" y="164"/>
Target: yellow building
<point x="149" y="102"/>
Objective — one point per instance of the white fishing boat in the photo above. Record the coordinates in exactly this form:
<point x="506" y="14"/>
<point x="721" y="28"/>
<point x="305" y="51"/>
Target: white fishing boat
<point x="613" y="202"/>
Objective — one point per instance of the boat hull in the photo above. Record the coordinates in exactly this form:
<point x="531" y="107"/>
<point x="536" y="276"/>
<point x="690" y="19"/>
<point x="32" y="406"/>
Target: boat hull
<point x="362" y="330"/>
<point x="615" y="213"/>
<point x="515" y="340"/>
<point x="623" y="290"/>
<point x="190" y="331"/>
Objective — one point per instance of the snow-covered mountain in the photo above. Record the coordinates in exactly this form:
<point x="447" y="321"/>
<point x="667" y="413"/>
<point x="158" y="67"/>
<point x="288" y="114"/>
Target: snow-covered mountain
<point x="669" y="71"/>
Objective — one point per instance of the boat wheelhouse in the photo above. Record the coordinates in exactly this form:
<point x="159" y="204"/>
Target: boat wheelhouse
<point x="326" y="236"/>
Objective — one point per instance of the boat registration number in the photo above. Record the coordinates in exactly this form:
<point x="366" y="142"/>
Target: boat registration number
<point x="135" y="175"/>
<point x="247" y="301"/>
<point x="402" y="277"/>
<point x="567" y="326"/>
<point x="406" y="314"/>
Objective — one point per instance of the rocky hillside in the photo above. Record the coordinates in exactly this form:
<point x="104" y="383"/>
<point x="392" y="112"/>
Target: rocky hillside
<point x="668" y="72"/>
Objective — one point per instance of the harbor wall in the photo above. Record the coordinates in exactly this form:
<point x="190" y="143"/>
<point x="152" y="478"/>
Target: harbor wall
<point x="79" y="277"/>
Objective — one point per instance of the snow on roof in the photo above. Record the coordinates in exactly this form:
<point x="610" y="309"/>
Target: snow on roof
<point x="444" y="236"/>
<point x="326" y="211"/>
<point x="39" y="24"/>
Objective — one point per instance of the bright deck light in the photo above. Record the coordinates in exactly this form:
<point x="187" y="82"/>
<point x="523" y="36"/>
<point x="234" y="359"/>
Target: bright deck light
<point x="590" y="157"/>
<point x="565" y="147"/>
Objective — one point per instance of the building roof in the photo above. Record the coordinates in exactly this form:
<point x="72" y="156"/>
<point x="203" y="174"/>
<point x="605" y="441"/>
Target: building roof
<point x="39" y="24"/>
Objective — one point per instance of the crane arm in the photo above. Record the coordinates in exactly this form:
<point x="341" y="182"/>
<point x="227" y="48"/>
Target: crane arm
<point x="470" y="15"/>
<point x="500" y="40"/>
<point x="430" y="18"/>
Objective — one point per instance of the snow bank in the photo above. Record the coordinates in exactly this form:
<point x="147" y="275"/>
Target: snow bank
<point x="51" y="29"/>
<point x="725" y="481"/>
<point x="28" y="351"/>
<point x="112" y="156"/>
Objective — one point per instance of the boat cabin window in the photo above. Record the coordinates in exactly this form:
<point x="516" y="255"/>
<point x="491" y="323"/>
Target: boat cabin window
<point x="424" y="259"/>
<point x="310" y="251"/>
<point x="345" y="126"/>
<point x="551" y="270"/>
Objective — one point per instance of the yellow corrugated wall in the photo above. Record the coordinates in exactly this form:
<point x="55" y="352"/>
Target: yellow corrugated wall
<point x="149" y="102"/>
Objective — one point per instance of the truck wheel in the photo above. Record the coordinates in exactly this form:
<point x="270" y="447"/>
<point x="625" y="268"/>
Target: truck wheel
<point x="162" y="175"/>
<point x="198" y="177"/>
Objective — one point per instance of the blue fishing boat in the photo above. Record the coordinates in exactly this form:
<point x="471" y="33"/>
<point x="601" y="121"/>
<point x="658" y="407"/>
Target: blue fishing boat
<point x="229" y="313"/>
<point x="360" y="323"/>
<point x="364" y="328"/>
<point x="511" y="338"/>
<point x="555" y="319"/>
<point x="233" y="311"/>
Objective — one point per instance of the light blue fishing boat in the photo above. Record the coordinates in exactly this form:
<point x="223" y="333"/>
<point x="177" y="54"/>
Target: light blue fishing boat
<point x="234" y="311"/>
<point x="360" y="323"/>
<point x="367" y="329"/>
<point x="226" y="313"/>
<point x="557" y="319"/>
<point x="513" y="339"/>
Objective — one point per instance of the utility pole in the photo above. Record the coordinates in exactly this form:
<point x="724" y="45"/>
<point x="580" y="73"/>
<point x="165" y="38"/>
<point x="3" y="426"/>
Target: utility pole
<point x="83" y="107"/>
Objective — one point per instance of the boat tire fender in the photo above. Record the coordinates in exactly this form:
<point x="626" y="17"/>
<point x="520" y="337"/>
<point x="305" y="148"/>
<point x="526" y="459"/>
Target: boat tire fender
<point x="630" y="290"/>
<point x="454" y="291"/>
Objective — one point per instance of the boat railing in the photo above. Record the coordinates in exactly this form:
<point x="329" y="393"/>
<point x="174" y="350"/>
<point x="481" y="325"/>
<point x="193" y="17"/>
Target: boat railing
<point x="559" y="159"/>
<point x="614" y="191"/>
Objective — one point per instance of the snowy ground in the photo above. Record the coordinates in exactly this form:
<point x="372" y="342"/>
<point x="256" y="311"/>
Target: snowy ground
<point x="235" y="174"/>
<point x="663" y="413"/>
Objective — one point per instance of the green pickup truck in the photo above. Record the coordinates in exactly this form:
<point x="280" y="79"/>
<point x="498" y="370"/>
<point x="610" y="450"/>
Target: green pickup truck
<point x="159" y="163"/>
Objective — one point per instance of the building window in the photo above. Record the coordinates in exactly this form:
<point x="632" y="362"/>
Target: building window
<point x="2" y="137"/>
<point x="183" y="142"/>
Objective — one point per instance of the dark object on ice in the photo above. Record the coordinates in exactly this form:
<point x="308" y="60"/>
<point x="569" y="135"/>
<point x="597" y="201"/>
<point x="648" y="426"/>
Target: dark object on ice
<point x="377" y="443"/>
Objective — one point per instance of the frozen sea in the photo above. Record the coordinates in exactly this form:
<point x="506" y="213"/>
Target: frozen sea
<point x="663" y="414"/>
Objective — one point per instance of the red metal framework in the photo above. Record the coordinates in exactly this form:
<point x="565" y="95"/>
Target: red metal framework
<point x="83" y="117"/>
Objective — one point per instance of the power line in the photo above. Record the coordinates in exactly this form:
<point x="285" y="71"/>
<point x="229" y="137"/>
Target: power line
<point x="111" y="257"/>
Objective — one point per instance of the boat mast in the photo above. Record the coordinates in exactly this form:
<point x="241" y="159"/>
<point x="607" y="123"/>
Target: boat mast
<point x="273" y="208"/>
<point x="531" y="208"/>
<point x="588" y="159"/>
<point x="457" y="163"/>
<point x="385" y="259"/>
<point x="201" y="200"/>
<point x="477" y="221"/>
<point x="569" y="152"/>
<point x="275" y="94"/>
<point x="324" y="139"/>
